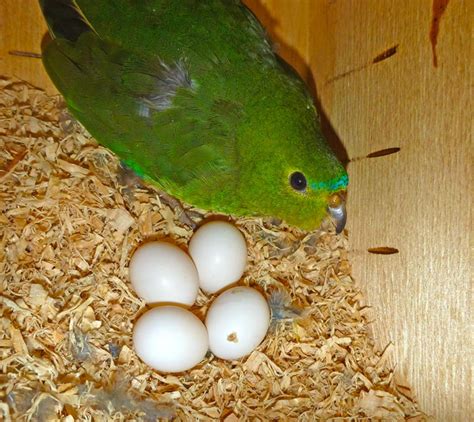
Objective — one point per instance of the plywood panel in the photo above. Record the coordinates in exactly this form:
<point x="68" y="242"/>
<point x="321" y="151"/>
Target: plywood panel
<point x="417" y="201"/>
<point x="301" y="33"/>
<point x="22" y="29"/>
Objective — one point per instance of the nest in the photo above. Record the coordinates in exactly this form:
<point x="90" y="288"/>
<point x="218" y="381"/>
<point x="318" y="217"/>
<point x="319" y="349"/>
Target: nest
<point x="69" y="223"/>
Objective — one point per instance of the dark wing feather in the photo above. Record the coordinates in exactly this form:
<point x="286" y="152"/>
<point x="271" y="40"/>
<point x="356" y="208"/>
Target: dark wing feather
<point x="183" y="136"/>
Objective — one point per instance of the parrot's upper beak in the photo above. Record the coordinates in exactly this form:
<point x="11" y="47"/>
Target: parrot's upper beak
<point x="337" y="211"/>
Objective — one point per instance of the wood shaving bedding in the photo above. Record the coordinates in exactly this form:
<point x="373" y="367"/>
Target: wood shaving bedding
<point x="68" y="226"/>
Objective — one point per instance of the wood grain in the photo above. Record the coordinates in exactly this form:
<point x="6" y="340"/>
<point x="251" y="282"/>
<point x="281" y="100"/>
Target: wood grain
<point x="410" y="200"/>
<point x="417" y="200"/>
<point x="22" y="29"/>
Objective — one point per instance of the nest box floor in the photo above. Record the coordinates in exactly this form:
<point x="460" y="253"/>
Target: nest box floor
<point x="68" y="225"/>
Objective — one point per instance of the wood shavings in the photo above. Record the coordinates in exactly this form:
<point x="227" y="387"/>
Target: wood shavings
<point x="18" y="343"/>
<point x="37" y="296"/>
<point x="68" y="228"/>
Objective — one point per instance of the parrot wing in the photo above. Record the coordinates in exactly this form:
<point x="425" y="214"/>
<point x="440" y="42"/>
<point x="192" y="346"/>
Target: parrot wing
<point x="171" y="27"/>
<point x="148" y="111"/>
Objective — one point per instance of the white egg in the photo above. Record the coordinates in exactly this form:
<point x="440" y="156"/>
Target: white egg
<point x="170" y="339"/>
<point x="237" y="322"/>
<point x="219" y="251"/>
<point x="162" y="272"/>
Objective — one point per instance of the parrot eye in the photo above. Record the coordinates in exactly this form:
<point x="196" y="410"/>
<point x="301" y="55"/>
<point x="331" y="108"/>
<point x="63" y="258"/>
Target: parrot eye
<point x="298" y="181"/>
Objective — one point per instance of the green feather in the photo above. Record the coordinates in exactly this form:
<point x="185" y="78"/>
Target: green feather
<point x="190" y="95"/>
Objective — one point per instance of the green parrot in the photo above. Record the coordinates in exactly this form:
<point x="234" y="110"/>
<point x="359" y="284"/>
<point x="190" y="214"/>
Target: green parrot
<point x="190" y="95"/>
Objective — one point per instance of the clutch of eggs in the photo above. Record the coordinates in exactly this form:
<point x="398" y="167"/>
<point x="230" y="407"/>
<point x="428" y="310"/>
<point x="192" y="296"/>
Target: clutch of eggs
<point x="162" y="272"/>
<point x="171" y="338"/>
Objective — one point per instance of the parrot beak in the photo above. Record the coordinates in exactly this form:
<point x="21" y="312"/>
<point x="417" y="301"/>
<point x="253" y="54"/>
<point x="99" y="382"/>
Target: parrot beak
<point x="337" y="211"/>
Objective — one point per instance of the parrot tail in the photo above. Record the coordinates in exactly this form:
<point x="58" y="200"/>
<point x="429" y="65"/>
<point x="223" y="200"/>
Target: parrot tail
<point x="64" y="19"/>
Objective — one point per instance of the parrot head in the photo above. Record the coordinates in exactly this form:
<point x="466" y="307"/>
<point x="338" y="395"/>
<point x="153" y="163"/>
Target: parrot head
<point x="291" y="173"/>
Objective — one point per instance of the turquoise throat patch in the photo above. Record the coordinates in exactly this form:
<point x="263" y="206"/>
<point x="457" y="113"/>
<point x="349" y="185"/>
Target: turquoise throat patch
<point x="331" y="185"/>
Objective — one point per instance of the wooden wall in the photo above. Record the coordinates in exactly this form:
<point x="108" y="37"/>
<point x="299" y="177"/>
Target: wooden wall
<point x="397" y="74"/>
<point x="22" y="29"/>
<point x="389" y="74"/>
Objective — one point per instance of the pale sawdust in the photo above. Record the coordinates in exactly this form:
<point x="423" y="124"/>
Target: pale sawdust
<point x="68" y="229"/>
